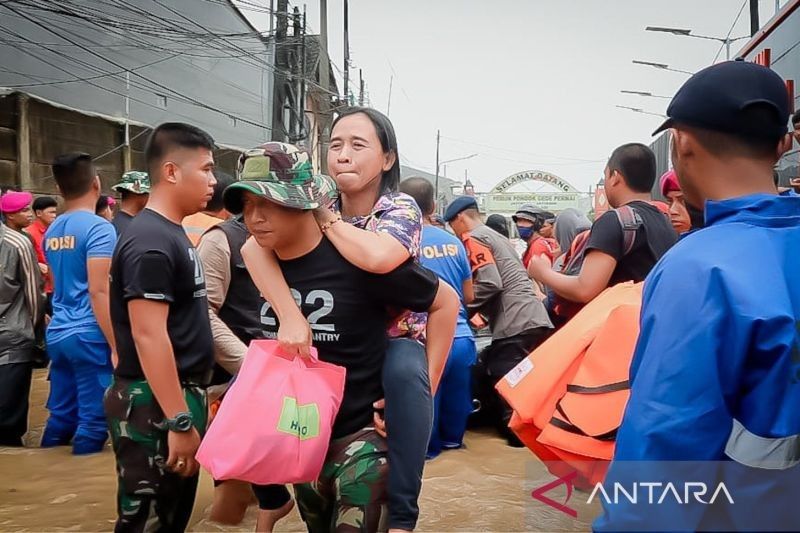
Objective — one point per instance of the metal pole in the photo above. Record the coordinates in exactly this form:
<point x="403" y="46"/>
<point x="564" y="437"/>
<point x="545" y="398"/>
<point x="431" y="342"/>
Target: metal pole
<point x="727" y="49"/>
<point x="436" y="183"/>
<point x="346" y="57"/>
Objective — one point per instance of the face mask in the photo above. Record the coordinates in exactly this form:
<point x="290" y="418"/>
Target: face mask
<point x="525" y="233"/>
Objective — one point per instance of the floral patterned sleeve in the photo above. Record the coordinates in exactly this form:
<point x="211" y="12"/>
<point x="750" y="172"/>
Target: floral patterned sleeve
<point x="400" y="217"/>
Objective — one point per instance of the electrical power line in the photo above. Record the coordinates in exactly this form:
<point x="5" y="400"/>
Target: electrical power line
<point x="88" y="82"/>
<point x="572" y="159"/>
<point x="57" y="82"/>
<point x="116" y="64"/>
<point x="730" y="31"/>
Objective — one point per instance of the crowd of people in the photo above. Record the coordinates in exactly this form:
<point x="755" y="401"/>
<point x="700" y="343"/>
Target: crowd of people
<point x="143" y="310"/>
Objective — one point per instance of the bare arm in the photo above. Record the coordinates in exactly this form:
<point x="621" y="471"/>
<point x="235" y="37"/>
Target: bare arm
<point x="469" y="291"/>
<point x="97" y="269"/>
<point x="378" y="253"/>
<point x="442" y="317"/>
<point x="583" y="288"/>
<point x="149" y="330"/>
<point x="294" y="333"/>
<point x="215" y="254"/>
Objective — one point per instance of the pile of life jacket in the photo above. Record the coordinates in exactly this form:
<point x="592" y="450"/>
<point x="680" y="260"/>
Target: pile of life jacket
<point x="569" y="395"/>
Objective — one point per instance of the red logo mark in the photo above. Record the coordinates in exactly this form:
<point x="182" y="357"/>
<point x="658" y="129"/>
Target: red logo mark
<point x="538" y="494"/>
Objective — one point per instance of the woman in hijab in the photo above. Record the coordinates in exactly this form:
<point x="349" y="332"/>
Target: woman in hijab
<point x="569" y="224"/>
<point x="679" y="214"/>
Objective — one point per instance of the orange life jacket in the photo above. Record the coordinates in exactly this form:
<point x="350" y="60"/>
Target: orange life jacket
<point x="569" y="395"/>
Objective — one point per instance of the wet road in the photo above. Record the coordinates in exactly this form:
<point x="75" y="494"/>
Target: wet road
<point x="485" y="487"/>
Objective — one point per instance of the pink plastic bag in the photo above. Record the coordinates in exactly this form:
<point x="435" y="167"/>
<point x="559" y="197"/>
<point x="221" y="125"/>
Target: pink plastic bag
<point x="275" y="423"/>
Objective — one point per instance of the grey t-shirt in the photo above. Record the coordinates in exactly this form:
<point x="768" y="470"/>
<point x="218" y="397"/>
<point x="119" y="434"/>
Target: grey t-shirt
<point x="503" y="290"/>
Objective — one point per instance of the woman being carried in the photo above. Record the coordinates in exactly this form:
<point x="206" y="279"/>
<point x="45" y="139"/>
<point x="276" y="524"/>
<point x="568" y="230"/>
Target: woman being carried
<point x="376" y="229"/>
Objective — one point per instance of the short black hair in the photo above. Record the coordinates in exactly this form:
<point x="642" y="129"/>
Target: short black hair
<point x="170" y="136"/>
<point x="102" y="204"/>
<point x="796" y="118"/>
<point x="421" y="190"/>
<point x="44" y="202"/>
<point x="637" y="165"/>
<point x="390" y="180"/>
<point x="74" y="174"/>
<point x="723" y="145"/>
<point x="224" y="180"/>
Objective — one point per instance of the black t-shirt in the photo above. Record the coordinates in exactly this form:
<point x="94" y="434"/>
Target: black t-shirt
<point x="653" y="238"/>
<point x="346" y="308"/>
<point x="121" y="221"/>
<point x="154" y="260"/>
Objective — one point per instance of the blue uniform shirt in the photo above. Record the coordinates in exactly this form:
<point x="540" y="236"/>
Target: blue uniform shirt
<point x="70" y="241"/>
<point x="444" y="254"/>
<point x="716" y="372"/>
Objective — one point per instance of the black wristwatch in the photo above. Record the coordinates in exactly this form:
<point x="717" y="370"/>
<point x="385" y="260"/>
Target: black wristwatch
<point x="182" y="422"/>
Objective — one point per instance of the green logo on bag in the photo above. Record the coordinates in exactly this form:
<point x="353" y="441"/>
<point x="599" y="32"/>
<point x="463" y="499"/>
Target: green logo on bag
<point x="302" y="421"/>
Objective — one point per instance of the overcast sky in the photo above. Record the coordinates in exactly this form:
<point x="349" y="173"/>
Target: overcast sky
<point x="526" y="84"/>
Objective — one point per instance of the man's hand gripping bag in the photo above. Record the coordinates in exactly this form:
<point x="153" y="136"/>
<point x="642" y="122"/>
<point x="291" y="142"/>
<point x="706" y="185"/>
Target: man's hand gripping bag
<point x="275" y="424"/>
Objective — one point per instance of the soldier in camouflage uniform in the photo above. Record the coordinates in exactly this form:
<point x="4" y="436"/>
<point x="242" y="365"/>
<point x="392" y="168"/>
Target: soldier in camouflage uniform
<point x="351" y="492"/>
<point x="139" y="438"/>
<point x="134" y="188"/>
<point x="156" y="406"/>
<point x="347" y="311"/>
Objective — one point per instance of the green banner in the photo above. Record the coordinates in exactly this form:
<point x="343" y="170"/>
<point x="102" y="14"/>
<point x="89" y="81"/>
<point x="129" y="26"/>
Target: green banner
<point x="555" y="202"/>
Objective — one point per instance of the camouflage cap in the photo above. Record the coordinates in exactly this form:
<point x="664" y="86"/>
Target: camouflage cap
<point x="134" y="181"/>
<point x="281" y="173"/>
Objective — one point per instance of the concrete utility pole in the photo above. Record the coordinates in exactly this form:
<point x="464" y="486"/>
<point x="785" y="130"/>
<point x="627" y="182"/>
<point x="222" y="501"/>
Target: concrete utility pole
<point x="754" y="25"/>
<point x="436" y="183"/>
<point x="295" y="131"/>
<point x="324" y="81"/>
<point x="126" y="151"/>
<point x="302" y="133"/>
<point x="361" y="87"/>
<point x="346" y="56"/>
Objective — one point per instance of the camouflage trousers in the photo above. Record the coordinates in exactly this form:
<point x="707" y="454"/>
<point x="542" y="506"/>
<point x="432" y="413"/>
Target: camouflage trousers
<point x="149" y="496"/>
<point x="350" y="494"/>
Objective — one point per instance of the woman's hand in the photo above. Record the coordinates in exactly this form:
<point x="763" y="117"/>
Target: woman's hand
<point x="323" y="215"/>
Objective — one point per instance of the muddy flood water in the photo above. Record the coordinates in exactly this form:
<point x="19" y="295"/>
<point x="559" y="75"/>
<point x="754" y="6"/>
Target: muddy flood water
<point x="484" y="487"/>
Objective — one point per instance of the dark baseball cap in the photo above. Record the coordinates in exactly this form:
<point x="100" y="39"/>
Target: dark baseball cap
<point x="461" y="203"/>
<point x="719" y="97"/>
